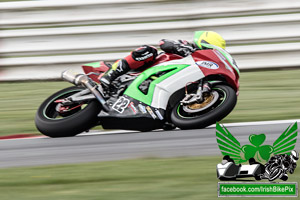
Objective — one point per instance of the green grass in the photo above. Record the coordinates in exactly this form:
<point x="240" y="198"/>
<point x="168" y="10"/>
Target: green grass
<point x="269" y="95"/>
<point x="166" y="179"/>
<point x="19" y="102"/>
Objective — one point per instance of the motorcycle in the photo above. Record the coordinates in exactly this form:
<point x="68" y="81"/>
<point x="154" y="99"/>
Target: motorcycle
<point x="188" y="93"/>
<point x="279" y="165"/>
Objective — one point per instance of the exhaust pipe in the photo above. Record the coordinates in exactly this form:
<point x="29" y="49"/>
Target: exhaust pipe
<point x="84" y="80"/>
<point x="72" y="77"/>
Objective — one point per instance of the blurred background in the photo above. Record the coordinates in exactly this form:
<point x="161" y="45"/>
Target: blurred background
<point x="40" y="39"/>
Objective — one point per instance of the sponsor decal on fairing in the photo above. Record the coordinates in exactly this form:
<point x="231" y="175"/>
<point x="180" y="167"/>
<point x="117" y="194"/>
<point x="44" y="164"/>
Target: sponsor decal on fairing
<point x="151" y="112"/>
<point x="132" y="107"/>
<point x="142" y="108"/>
<point x="158" y="114"/>
<point x="207" y="64"/>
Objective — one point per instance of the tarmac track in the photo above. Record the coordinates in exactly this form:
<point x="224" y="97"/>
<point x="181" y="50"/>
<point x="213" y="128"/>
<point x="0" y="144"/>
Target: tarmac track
<point x="128" y="145"/>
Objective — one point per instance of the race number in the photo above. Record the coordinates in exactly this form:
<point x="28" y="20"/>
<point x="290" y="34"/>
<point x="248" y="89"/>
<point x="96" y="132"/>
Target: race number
<point x="121" y="104"/>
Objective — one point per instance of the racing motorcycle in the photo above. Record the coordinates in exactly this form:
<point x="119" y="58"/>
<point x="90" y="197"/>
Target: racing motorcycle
<point x="279" y="165"/>
<point x="191" y="92"/>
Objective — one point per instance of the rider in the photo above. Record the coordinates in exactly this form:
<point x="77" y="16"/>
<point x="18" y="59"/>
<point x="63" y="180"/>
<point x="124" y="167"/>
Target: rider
<point x="285" y="162"/>
<point x="144" y="56"/>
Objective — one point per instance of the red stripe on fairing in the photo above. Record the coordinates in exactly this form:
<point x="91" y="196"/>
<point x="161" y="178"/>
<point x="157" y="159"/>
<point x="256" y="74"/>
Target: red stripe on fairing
<point x="19" y="136"/>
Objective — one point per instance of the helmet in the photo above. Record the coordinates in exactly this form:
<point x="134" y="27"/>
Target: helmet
<point x="294" y="155"/>
<point x="208" y="37"/>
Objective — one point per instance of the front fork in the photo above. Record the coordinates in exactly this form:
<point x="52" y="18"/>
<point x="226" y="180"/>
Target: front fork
<point x="204" y="88"/>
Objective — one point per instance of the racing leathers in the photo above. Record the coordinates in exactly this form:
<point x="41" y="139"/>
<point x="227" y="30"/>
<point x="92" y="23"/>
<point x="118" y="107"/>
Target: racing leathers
<point x="144" y="57"/>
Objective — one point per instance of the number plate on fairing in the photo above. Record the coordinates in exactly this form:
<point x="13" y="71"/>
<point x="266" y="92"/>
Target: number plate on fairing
<point x="127" y="107"/>
<point x="121" y="104"/>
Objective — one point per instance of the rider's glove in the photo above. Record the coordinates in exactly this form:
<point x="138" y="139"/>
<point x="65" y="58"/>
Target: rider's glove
<point x="181" y="48"/>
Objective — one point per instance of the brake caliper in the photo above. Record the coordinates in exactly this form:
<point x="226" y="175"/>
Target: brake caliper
<point x="204" y="90"/>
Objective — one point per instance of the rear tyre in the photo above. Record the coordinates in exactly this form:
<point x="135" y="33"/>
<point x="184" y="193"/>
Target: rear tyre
<point x="81" y="117"/>
<point x="215" y="111"/>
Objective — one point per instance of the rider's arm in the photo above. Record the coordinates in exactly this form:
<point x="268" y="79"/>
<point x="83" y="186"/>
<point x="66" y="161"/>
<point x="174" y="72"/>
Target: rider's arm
<point x="180" y="47"/>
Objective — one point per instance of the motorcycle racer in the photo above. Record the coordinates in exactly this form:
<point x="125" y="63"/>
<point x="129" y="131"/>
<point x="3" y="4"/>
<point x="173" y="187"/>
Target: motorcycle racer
<point x="152" y="98"/>
<point x="144" y="56"/>
<point x="279" y="165"/>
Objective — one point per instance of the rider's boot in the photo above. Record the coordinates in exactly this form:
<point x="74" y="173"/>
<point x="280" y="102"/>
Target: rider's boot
<point x="137" y="58"/>
<point x="118" y="69"/>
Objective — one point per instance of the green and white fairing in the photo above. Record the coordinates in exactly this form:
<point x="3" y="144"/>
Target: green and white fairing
<point x="180" y="72"/>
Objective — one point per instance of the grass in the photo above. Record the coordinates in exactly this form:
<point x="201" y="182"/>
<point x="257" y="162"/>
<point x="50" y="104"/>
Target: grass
<point x="19" y="102"/>
<point x="268" y="95"/>
<point x="173" y="178"/>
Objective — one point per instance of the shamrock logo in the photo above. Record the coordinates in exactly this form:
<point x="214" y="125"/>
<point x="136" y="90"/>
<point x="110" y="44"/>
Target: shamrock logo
<point x="263" y="151"/>
<point x="229" y="145"/>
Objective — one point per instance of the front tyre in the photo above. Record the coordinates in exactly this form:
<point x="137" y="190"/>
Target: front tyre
<point x="221" y="103"/>
<point x="78" y="118"/>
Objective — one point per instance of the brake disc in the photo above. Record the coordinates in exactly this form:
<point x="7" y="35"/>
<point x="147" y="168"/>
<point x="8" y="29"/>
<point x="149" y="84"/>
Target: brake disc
<point x="208" y="102"/>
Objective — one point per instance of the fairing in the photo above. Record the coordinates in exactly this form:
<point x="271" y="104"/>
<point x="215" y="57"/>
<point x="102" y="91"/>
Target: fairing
<point x="177" y="72"/>
<point x="96" y="67"/>
<point x="224" y="67"/>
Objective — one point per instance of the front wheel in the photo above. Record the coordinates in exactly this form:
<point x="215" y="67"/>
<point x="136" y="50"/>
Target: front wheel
<point x="214" y="108"/>
<point x="53" y="120"/>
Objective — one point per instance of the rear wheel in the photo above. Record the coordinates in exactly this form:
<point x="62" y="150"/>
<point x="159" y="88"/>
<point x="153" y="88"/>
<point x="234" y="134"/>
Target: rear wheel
<point x="214" y="108"/>
<point x="54" y="120"/>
